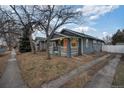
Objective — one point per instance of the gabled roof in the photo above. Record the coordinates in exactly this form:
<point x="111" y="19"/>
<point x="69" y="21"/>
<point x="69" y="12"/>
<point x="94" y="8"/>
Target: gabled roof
<point x="68" y="33"/>
<point x="40" y="39"/>
<point x="74" y="33"/>
<point x="58" y="35"/>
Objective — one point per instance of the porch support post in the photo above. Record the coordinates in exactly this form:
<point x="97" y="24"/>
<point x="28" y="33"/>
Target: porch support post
<point x="79" y="46"/>
<point x="59" y="50"/>
<point x="69" y="48"/>
<point x="40" y="46"/>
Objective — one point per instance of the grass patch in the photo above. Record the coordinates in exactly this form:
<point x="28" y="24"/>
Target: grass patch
<point x="119" y="76"/>
<point x="3" y="61"/>
<point x="36" y="70"/>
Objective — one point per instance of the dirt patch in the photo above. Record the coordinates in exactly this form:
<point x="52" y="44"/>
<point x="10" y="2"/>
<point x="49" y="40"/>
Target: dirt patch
<point x="119" y="76"/>
<point x="81" y="80"/>
<point x="3" y="61"/>
<point x="36" y="70"/>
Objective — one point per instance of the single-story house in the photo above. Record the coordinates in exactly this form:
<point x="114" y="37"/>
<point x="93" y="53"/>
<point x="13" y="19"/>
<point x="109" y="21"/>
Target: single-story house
<point x="2" y="50"/>
<point x="3" y="46"/>
<point x="119" y="43"/>
<point x="40" y="43"/>
<point x="71" y="43"/>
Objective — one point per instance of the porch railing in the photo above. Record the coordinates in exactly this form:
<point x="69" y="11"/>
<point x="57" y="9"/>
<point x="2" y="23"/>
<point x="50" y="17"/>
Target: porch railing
<point x="74" y="51"/>
<point x="63" y="51"/>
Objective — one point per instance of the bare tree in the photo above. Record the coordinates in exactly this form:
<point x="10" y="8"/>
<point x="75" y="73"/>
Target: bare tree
<point x="25" y="14"/>
<point x="49" y="17"/>
<point x="52" y="17"/>
<point x="107" y="39"/>
<point x="8" y="28"/>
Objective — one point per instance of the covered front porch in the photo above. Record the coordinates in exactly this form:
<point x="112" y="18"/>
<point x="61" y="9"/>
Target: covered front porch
<point x="66" y="46"/>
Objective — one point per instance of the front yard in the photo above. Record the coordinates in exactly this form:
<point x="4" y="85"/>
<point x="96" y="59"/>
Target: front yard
<point x="81" y="80"/>
<point x="36" y="70"/>
<point x="119" y="76"/>
<point x="3" y="61"/>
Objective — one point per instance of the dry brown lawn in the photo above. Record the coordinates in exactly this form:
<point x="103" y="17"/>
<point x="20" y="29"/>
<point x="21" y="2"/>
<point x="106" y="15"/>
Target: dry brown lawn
<point x="3" y="61"/>
<point x="81" y="80"/>
<point x="36" y="69"/>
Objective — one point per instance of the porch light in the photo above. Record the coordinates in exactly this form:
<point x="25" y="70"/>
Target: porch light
<point x="61" y="39"/>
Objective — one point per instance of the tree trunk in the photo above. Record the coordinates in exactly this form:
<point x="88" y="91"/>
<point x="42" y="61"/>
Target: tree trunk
<point x="35" y="47"/>
<point x="10" y="47"/>
<point x="48" y="51"/>
<point x="7" y="42"/>
<point x="31" y="44"/>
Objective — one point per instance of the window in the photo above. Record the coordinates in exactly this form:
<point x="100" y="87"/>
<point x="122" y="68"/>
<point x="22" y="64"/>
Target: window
<point x="74" y="42"/>
<point x="94" y="41"/>
<point x="86" y="43"/>
<point x="61" y="42"/>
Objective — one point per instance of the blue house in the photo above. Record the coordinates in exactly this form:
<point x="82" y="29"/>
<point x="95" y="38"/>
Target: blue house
<point x="71" y="43"/>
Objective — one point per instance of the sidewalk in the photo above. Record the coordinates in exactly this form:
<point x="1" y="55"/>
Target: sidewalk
<point x="11" y="77"/>
<point x="104" y="77"/>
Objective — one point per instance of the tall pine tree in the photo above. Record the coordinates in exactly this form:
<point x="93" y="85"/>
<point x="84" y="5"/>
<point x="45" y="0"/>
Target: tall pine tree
<point x="24" y="44"/>
<point x="118" y="37"/>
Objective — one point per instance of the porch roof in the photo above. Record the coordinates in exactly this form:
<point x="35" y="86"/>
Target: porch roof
<point x="57" y="36"/>
<point x="67" y="33"/>
<point x="40" y="39"/>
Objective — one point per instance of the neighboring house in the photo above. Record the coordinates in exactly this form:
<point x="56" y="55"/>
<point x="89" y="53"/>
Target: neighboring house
<point x="2" y="50"/>
<point x="119" y="43"/>
<point x="3" y="46"/>
<point x="2" y="42"/>
<point x="40" y="43"/>
<point x="70" y="43"/>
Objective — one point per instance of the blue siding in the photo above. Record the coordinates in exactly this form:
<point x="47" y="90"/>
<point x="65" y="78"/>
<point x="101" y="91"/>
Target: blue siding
<point x="79" y="46"/>
<point x="91" y="47"/>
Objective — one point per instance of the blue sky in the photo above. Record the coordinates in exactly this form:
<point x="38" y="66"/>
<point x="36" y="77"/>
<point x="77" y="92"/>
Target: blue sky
<point x="109" y="22"/>
<point x="100" y="20"/>
<point x="103" y="20"/>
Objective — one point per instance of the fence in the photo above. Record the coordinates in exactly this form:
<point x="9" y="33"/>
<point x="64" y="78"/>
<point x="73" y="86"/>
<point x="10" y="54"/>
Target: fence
<point x="113" y="48"/>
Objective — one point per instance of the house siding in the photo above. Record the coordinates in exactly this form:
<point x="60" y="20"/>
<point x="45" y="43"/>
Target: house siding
<point x="92" y="47"/>
<point x="79" y="46"/>
<point x="68" y="51"/>
<point x="69" y="48"/>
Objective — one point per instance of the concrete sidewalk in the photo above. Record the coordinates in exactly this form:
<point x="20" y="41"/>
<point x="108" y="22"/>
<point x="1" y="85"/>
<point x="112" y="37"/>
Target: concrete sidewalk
<point x="11" y="77"/>
<point x="104" y="77"/>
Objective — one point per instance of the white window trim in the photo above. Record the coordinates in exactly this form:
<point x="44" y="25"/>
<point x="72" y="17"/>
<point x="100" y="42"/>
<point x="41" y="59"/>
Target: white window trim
<point x="87" y="41"/>
<point x="94" y="41"/>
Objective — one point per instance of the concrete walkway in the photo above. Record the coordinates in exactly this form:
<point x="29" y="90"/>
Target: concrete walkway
<point x="104" y="77"/>
<point x="11" y="77"/>
<point x="65" y="78"/>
